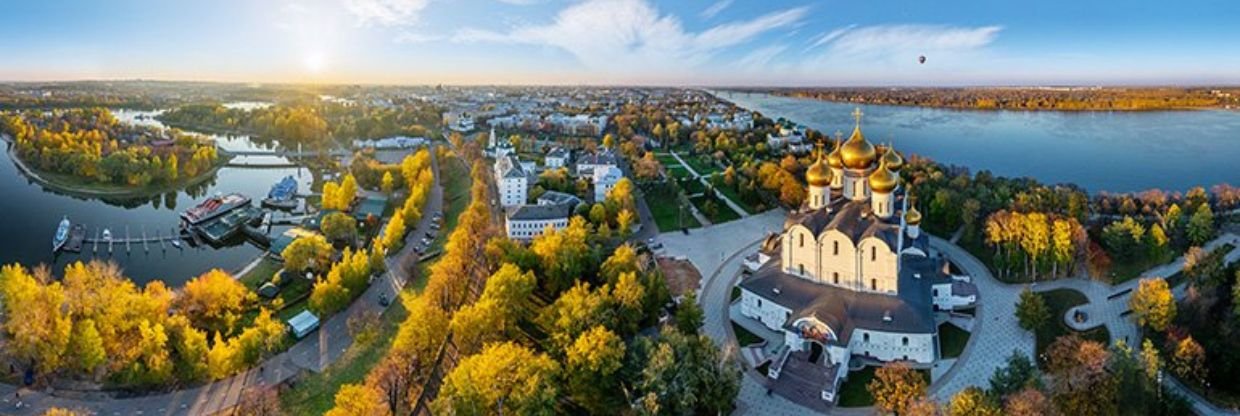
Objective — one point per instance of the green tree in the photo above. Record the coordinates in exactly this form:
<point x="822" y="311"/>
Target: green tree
<point x="1019" y="373"/>
<point x="689" y="315"/>
<point x="1201" y="225"/>
<point x="686" y="374"/>
<point x="1032" y="311"/>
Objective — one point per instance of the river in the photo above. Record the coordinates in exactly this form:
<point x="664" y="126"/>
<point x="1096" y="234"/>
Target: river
<point x="32" y="212"/>
<point x="1101" y="151"/>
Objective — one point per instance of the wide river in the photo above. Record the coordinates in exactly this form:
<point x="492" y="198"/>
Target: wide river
<point x="32" y="212"/>
<point x="1101" y="151"/>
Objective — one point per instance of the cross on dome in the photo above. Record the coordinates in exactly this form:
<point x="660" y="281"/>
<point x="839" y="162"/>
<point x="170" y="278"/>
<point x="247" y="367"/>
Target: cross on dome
<point x="857" y="115"/>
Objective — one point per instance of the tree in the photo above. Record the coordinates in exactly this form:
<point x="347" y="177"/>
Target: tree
<point x="1201" y="225"/>
<point x="624" y="221"/>
<point x="592" y="362"/>
<point x="598" y="214"/>
<point x="504" y="378"/>
<point x="358" y="400"/>
<point x="1152" y="304"/>
<point x="1151" y="362"/>
<point x="1028" y="402"/>
<point x="214" y="301"/>
<point x="37" y="324"/>
<point x="972" y="401"/>
<point x="331" y="196"/>
<point x="1032" y="311"/>
<point x="686" y="374"/>
<point x="1189" y="360"/>
<point x="1019" y="373"/>
<point x="347" y="192"/>
<point x="86" y="347"/>
<point x="307" y="252"/>
<point x="388" y="183"/>
<point x="394" y="233"/>
<point x="622" y="260"/>
<point x="895" y="387"/>
<point x="563" y="255"/>
<point x="339" y="227"/>
<point x="259" y="401"/>
<point x="1081" y="382"/>
<point x="689" y="315"/>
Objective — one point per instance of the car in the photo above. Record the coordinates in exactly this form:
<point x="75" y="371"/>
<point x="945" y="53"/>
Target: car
<point x="430" y="234"/>
<point x="383" y="300"/>
<point x="650" y="240"/>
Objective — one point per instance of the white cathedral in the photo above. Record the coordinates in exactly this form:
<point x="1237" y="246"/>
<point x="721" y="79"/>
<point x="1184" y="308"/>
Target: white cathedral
<point x="852" y="275"/>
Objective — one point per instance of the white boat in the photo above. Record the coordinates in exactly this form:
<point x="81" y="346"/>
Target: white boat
<point x="62" y="234"/>
<point x="176" y="243"/>
<point x="107" y="234"/>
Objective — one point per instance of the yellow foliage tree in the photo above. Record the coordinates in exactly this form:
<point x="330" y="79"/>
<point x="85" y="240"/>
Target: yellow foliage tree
<point x="214" y="301"/>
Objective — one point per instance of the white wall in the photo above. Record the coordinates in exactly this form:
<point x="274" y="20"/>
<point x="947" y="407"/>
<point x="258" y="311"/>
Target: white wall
<point x="879" y="266"/>
<point x="769" y="313"/>
<point x="512" y="191"/>
<point x="888" y="346"/>
<point x="527" y="230"/>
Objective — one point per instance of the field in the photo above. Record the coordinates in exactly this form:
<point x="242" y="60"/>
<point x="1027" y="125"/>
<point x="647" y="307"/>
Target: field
<point x="668" y="215"/>
<point x="1059" y="301"/>
<point x="721" y="213"/>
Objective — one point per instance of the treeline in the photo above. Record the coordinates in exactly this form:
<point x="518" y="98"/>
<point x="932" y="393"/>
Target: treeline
<point x="310" y="123"/>
<point x="1033" y="242"/>
<point x="1060" y="99"/>
<point x="96" y="324"/>
<point x="91" y="144"/>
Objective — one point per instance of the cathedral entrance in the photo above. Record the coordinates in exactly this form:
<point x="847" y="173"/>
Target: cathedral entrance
<point x="815" y="352"/>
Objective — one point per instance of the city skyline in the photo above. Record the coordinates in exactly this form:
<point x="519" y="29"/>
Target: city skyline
<point x="630" y="42"/>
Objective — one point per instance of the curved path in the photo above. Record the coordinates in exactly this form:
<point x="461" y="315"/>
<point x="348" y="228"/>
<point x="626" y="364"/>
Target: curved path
<point x="313" y="353"/>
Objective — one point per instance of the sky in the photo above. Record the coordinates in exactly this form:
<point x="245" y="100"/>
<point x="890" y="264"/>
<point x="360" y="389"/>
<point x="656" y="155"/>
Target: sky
<point x="627" y="42"/>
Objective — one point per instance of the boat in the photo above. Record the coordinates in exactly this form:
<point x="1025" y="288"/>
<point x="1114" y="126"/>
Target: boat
<point x="282" y="193"/>
<point x="176" y="243"/>
<point x="214" y="207"/>
<point x="107" y="234"/>
<point x="62" y="234"/>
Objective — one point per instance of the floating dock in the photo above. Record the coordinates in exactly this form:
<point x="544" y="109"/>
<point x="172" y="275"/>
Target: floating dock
<point x="77" y="238"/>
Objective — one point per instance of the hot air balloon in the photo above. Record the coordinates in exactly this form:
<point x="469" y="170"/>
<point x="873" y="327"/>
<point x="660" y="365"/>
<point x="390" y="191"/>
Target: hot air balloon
<point x="921" y="59"/>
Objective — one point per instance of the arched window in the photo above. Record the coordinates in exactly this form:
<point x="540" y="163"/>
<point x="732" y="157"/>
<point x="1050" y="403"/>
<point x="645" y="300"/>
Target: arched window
<point x="801" y="267"/>
<point x="873" y="284"/>
<point x="866" y="337"/>
<point x="836" y="244"/>
<point x="873" y="253"/>
<point x="802" y="240"/>
<point x="906" y="341"/>
<point x="837" y="277"/>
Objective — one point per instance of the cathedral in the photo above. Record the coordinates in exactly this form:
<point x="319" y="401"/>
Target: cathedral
<point x="852" y="279"/>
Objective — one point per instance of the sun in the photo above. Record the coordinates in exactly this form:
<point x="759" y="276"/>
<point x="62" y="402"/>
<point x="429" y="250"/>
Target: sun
<point x="314" y="62"/>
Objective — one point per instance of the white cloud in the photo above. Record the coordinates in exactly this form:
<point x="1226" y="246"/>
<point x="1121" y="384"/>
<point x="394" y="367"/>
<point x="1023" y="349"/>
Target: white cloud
<point x="714" y="9"/>
<point x="632" y="36"/>
<point x="759" y="58"/>
<point x="825" y="38"/>
<point x="521" y="2"/>
<point x="898" y="38"/>
<point x="386" y="12"/>
<point x="416" y="37"/>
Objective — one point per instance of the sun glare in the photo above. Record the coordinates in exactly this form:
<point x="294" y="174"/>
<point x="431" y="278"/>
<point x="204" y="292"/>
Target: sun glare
<point x="315" y="62"/>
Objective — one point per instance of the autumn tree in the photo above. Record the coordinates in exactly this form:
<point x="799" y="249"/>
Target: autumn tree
<point x="86" y="347"/>
<point x="1032" y="311"/>
<point x="1201" y="225"/>
<point x="1152" y="304"/>
<point x="358" y="400"/>
<point x="1188" y="359"/>
<point x="388" y="183"/>
<point x="686" y="374"/>
<point x="1027" y="402"/>
<point x="214" y="301"/>
<point x="1081" y="383"/>
<point x="624" y="222"/>
<point x="37" y="324"/>
<point x="972" y="401"/>
<point x="591" y="369"/>
<point x="309" y="252"/>
<point x="339" y="227"/>
<point x="563" y="255"/>
<point x="506" y="377"/>
<point x="895" y="387"/>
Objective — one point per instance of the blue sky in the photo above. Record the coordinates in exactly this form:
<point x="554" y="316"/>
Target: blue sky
<point x="683" y="42"/>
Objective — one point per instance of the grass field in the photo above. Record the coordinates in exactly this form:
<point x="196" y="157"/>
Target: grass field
<point x="952" y="340"/>
<point x="665" y="210"/>
<point x="678" y="172"/>
<point x="736" y="197"/>
<point x="703" y="168"/>
<point x="692" y="186"/>
<point x="853" y="392"/>
<point x="723" y="213"/>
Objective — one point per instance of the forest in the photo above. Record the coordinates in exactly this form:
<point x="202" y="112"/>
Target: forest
<point x="1033" y="99"/>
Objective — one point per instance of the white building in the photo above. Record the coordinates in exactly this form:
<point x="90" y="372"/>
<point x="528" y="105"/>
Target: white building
<point x="528" y="221"/>
<point x="586" y="164"/>
<point x="852" y="274"/>
<point x="397" y="142"/>
<point x="557" y="157"/>
<point x="512" y="181"/>
<point x="604" y="180"/>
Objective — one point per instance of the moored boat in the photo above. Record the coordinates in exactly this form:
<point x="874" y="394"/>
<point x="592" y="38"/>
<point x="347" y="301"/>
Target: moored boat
<point x="282" y="193"/>
<point x="62" y="234"/>
<point x="214" y="207"/>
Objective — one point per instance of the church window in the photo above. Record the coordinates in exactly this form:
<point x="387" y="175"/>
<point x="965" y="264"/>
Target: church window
<point x="836" y="245"/>
<point x="936" y="293"/>
<point x="906" y="343"/>
<point x="837" y="277"/>
<point x="866" y="337"/>
<point x="802" y="240"/>
<point x="873" y="254"/>
<point x="801" y="268"/>
<point x="873" y="284"/>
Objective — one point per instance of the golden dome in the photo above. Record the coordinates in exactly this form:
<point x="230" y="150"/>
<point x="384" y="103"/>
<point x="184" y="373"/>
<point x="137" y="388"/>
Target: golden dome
<point x="818" y="174"/>
<point x="834" y="159"/>
<point x="858" y="153"/>
<point x="893" y="159"/>
<point x="883" y="180"/>
<point x="912" y="217"/>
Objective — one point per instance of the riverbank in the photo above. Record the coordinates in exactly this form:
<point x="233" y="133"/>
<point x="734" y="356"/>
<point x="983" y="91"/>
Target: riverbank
<point x="1024" y="99"/>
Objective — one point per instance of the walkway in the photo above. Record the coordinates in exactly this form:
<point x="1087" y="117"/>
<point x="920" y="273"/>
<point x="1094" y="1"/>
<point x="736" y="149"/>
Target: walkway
<point x="739" y="211"/>
<point x="313" y="353"/>
<point x="1108" y="304"/>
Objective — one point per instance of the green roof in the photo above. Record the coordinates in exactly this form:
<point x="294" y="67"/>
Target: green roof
<point x="370" y="206"/>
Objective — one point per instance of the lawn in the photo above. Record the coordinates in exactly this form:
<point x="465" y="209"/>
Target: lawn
<point x="692" y="186"/>
<point x="736" y="197"/>
<point x="952" y="340"/>
<point x="678" y="172"/>
<point x="1123" y="271"/>
<point x="702" y="168"/>
<point x="665" y="214"/>
<point x="722" y="212"/>
<point x="744" y="337"/>
<point x="667" y="160"/>
<point x="1058" y="301"/>
<point x="853" y="393"/>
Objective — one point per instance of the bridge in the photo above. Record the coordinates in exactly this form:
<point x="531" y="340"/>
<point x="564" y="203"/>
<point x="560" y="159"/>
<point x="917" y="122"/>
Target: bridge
<point x="286" y="153"/>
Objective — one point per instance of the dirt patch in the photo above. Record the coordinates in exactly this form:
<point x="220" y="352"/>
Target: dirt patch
<point x="682" y="277"/>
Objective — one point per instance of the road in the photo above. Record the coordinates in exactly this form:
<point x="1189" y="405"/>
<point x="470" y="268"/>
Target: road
<point x="313" y="353"/>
